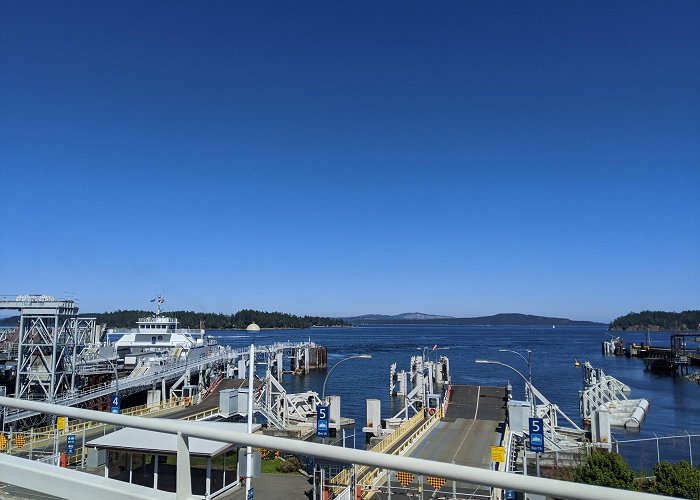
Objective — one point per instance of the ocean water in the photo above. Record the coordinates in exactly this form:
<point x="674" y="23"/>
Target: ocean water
<point x="674" y="401"/>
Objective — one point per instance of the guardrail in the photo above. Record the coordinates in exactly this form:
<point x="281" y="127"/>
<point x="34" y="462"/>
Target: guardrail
<point x="376" y="475"/>
<point x="39" y="437"/>
<point x="415" y="426"/>
<point x="41" y="478"/>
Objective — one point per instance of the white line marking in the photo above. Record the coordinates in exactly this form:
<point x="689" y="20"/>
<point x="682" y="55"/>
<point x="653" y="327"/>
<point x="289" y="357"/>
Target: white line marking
<point x="476" y="412"/>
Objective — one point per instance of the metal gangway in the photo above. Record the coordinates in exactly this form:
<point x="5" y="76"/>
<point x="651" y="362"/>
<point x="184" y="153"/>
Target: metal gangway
<point x="163" y="374"/>
<point x="603" y="392"/>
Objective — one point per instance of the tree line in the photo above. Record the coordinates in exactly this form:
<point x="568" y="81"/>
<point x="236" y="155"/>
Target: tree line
<point x="219" y="321"/>
<point x="658" y="320"/>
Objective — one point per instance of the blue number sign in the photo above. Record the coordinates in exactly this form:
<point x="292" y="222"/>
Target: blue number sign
<point x="322" y="421"/>
<point x="536" y="434"/>
<point x="116" y="405"/>
<point x="70" y="444"/>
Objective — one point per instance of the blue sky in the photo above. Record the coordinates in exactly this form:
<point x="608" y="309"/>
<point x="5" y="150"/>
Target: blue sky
<point x="341" y="158"/>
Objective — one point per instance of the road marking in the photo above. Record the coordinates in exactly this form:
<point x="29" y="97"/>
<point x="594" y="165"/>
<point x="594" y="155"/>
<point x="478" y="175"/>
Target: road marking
<point x="476" y="412"/>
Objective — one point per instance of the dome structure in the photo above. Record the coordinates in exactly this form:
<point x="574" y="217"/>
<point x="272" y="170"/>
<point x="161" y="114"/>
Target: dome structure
<point x="253" y="327"/>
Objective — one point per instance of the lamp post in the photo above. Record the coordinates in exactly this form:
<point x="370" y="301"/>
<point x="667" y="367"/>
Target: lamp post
<point x="529" y="370"/>
<point x="532" y="407"/>
<point x="527" y="383"/>
<point x="249" y="449"/>
<point x="362" y="356"/>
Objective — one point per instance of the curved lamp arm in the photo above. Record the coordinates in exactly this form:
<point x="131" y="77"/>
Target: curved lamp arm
<point x="323" y="391"/>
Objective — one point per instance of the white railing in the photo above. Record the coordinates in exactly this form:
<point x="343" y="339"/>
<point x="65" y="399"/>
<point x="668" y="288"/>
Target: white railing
<point x="9" y="465"/>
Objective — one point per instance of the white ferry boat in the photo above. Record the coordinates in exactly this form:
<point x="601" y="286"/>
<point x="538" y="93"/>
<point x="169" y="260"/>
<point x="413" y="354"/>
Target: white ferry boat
<point x="157" y="333"/>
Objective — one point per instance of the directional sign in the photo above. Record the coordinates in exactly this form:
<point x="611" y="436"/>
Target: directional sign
<point x="536" y="434"/>
<point x="322" y="421"/>
<point x="116" y="404"/>
<point x="70" y="444"/>
<point x="250" y="494"/>
<point x="510" y="494"/>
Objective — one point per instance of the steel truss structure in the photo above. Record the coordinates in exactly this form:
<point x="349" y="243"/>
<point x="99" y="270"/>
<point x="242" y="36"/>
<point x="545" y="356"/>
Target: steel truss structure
<point x="50" y="339"/>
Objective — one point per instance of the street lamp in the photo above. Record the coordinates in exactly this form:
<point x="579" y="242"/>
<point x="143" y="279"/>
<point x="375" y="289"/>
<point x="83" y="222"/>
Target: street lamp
<point x="323" y="391"/>
<point x="527" y="383"/>
<point x="529" y="366"/>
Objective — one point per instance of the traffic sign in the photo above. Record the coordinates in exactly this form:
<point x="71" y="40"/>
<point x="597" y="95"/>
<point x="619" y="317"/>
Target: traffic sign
<point x="322" y="421"/>
<point x="250" y="494"/>
<point x="536" y="434"/>
<point x="405" y="478"/>
<point x="116" y="404"/>
<point x="498" y="454"/>
<point x="70" y="444"/>
<point x="436" y="482"/>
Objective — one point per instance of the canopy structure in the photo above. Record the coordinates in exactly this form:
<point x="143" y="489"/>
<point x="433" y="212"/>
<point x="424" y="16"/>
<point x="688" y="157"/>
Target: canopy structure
<point x="146" y="442"/>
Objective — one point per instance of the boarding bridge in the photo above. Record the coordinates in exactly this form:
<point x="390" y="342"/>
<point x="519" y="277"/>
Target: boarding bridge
<point x="603" y="392"/>
<point x="205" y="361"/>
<point x="424" y="380"/>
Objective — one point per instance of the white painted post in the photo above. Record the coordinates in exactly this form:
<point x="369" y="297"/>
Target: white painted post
<point x="223" y="480"/>
<point x="249" y="449"/>
<point x="131" y="467"/>
<point x="388" y="482"/>
<point x="208" y="490"/>
<point x="658" y="454"/>
<point x="107" y="463"/>
<point x="155" y="472"/>
<point x="183" y="479"/>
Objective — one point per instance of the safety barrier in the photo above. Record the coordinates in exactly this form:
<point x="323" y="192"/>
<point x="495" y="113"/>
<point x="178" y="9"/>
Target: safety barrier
<point x="40" y="437"/>
<point x="44" y="478"/>
<point x="415" y="426"/>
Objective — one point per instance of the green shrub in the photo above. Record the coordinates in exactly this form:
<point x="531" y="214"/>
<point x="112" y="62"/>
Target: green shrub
<point x="290" y="465"/>
<point x="606" y="469"/>
<point x="676" y="480"/>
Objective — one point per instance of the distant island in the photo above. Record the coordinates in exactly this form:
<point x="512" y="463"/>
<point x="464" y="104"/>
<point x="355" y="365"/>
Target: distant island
<point x="657" y="320"/>
<point x="503" y="319"/>
<point x="219" y="321"/>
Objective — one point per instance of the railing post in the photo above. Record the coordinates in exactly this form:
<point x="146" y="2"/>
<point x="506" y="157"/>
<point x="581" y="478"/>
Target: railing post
<point x="658" y="455"/>
<point x="690" y="449"/>
<point x="183" y="479"/>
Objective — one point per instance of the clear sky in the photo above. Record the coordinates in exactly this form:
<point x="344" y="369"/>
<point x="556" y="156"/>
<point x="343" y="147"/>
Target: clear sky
<point x="342" y="158"/>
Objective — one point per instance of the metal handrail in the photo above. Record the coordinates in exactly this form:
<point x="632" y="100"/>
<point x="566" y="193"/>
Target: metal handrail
<point x="461" y="473"/>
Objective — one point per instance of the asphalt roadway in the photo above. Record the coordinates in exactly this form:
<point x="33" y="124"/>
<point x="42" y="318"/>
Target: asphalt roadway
<point x="474" y="422"/>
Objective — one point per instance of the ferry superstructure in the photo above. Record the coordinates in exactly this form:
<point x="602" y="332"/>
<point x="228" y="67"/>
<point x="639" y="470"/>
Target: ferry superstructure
<point x="156" y="333"/>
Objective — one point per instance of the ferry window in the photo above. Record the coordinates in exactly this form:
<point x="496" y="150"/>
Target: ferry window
<point x="153" y="340"/>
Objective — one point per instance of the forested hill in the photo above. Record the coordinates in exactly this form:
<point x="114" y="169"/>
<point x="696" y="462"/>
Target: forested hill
<point x="241" y="319"/>
<point x="657" y="320"/>
<point x="504" y="319"/>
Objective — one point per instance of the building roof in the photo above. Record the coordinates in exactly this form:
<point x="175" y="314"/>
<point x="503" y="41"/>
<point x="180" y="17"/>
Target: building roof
<point x="163" y="443"/>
